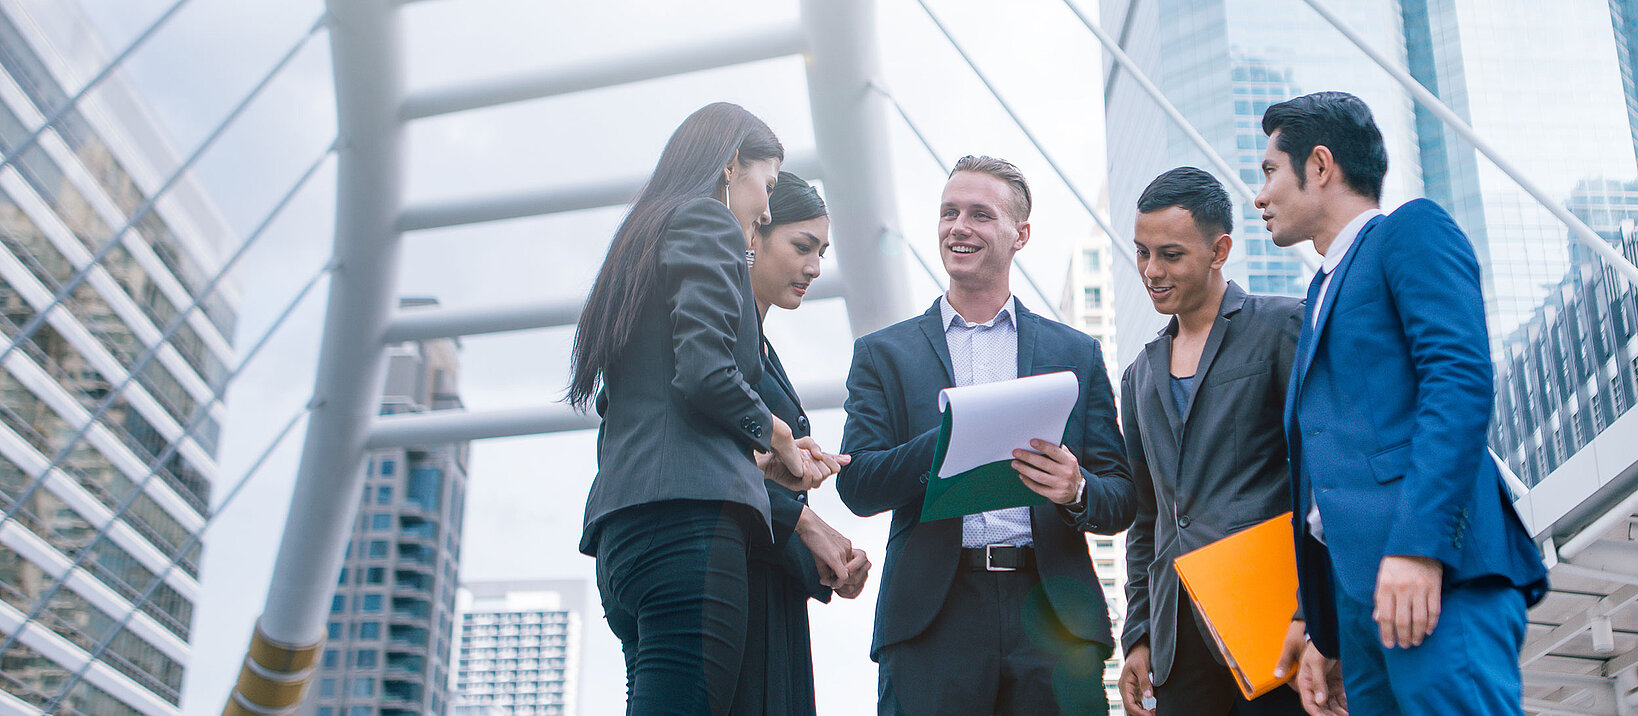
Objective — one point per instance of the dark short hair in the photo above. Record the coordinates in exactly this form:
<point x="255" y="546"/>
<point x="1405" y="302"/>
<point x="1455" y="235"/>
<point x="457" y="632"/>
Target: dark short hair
<point x="1337" y="121"/>
<point x="1195" y="190"/>
<point x="1005" y="171"/>
<point x="793" y="200"/>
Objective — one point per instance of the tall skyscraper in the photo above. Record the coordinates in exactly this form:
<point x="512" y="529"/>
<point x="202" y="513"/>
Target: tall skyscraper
<point x="519" y="647"/>
<point x="1624" y="19"/>
<point x="1221" y="63"/>
<point x="1555" y="108"/>
<point x="388" y="647"/>
<point x="61" y="200"/>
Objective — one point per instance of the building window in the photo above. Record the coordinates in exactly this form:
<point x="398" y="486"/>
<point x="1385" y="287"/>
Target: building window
<point x="387" y="466"/>
<point x="366" y="658"/>
<point x="327" y="687"/>
<point x="369" y="603"/>
<point x="363" y="687"/>
<point x="1094" y="298"/>
<point x="380" y="522"/>
<point x="1092" y="259"/>
<point x="334" y="631"/>
<point x="369" y="630"/>
<point x="383" y="495"/>
<point x="375" y="575"/>
<point x="378" y="548"/>
<point x="338" y="603"/>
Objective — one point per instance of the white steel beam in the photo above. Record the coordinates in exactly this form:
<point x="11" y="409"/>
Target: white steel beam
<point x="1621" y="512"/>
<point x="1563" y="633"/>
<point x="423" y="324"/>
<point x="446" y="426"/>
<point x="553" y="200"/>
<point x="763" y="44"/>
<point x="851" y="133"/>
<point x="365" y="44"/>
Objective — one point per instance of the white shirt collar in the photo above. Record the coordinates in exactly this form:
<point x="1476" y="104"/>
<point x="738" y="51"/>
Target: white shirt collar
<point x="1345" y="240"/>
<point x="951" y="317"/>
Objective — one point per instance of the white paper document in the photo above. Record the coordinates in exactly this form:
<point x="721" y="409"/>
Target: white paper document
<point x="989" y="421"/>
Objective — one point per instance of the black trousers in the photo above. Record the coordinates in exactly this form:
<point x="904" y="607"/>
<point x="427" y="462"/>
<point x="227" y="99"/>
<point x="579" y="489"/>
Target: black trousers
<point x="996" y="647"/>
<point x="672" y="576"/>
<point x="1199" y="686"/>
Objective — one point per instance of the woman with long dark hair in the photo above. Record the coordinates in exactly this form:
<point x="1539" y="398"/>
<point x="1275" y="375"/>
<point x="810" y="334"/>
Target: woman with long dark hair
<point x="808" y="559"/>
<point x="670" y="333"/>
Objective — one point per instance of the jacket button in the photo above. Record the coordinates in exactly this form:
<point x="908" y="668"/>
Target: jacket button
<point x="802" y="423"/>
<point x="1184" y="522"/>
<point x="923" y="478"/>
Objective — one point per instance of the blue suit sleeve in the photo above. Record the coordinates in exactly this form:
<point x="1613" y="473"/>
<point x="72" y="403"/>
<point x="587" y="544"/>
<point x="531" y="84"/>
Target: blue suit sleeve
<point x="1438" y="300"/>
<point x="885" y="474"/>
<point x="701" y="255"/>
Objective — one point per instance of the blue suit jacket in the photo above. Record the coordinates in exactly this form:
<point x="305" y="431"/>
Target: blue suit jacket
<point x="892" y="426"/>
<point x="1386" y="416"/>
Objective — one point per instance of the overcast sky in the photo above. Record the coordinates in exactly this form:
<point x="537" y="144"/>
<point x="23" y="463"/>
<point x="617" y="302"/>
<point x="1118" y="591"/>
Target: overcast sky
<point x="526" y="494"/>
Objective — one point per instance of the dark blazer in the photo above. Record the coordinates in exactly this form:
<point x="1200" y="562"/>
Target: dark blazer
<point x="892" y="426"/>
<point x="1214" y="470"/>
<point x="680" y="418"/>
<point x="787" y="557"/>
<point x="1389" y="403"/>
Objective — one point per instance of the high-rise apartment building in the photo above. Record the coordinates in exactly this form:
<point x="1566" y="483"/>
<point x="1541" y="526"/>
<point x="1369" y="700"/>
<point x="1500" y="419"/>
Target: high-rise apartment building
<point x="519" y="647"/>
<point x="1088" y="304"/>
<point x="388" y="647"/>
<point x="1221" y="63"/>
<point x="117" y="500"/>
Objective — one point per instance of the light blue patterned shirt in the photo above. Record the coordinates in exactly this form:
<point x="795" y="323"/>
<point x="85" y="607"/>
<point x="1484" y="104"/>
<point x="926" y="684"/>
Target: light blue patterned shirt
<point x="985" y="353"/>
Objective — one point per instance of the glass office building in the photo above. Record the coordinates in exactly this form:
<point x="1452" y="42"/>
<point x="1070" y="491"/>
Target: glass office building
<point x="388" y="646"/>
<point x="1221" y="63"/>
<point x="1559" y="115"/>
<point x="112" y="502"/>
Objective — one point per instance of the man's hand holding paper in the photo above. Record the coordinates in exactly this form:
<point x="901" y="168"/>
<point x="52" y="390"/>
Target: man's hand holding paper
<point x="1051" y="471"/>
<point x="999" y="446"/>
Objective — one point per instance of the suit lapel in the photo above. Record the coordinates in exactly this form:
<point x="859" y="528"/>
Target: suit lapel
<point x="931" y="326"/>
<point x="1159" y="354"/>
<point x="1025" y="322"/>
<point x="1233" y="299"/>
<point x="1305" y="357"/>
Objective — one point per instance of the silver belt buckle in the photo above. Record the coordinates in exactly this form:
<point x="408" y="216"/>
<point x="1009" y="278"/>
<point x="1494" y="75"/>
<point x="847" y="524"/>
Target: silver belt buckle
<point x="989" y="559"/>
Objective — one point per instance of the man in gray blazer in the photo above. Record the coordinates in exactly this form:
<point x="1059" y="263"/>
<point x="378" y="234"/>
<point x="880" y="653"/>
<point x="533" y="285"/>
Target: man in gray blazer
<point x="1203" y="413"/>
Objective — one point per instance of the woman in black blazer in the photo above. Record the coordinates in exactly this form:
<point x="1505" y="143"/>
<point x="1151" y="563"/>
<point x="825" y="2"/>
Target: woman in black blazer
<point x="670" y="334"/>
<point x="777" y="677"/>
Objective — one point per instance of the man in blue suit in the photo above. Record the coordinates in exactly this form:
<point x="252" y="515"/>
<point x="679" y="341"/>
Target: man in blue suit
<point x="1414" y="569"/>
<point x="999" y="612"/>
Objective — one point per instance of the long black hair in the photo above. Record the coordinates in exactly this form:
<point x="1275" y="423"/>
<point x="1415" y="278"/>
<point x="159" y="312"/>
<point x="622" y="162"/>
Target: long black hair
<point x="690" y="167"/>
<point x="793" y="200"/>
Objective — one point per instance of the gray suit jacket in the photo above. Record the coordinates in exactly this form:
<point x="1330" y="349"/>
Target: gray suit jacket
<point x="680" y="417"/>
<point x="1217" y="468"/>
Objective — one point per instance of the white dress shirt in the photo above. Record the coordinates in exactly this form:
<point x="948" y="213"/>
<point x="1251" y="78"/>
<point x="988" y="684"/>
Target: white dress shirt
<point x="985" y="353"/>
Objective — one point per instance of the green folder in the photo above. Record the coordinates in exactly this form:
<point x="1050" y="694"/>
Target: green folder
<point x="991" y="486"/>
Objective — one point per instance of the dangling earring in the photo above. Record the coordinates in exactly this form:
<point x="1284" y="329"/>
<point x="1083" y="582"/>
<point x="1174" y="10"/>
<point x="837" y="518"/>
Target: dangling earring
<point x="750" y="258"/>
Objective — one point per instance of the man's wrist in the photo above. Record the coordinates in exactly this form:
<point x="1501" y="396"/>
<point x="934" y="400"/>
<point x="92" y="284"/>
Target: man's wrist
<point x="1077" y="505"/>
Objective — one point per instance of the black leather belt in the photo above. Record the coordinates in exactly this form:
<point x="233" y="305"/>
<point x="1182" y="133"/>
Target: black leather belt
<point x="998" y="558"/>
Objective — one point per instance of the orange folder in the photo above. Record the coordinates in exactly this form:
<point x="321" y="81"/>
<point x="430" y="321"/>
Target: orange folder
<point x="1245" y="586"/>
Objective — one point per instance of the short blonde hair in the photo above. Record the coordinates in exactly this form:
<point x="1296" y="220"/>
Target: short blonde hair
<point x="1005" y="171"/>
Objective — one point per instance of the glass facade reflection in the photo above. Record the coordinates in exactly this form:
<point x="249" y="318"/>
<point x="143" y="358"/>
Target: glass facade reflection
<point x="1562" y="108"/>
<point x="61" y="200"/>
<point x="392" y="617"/>
<point x="1222" y="62"/>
